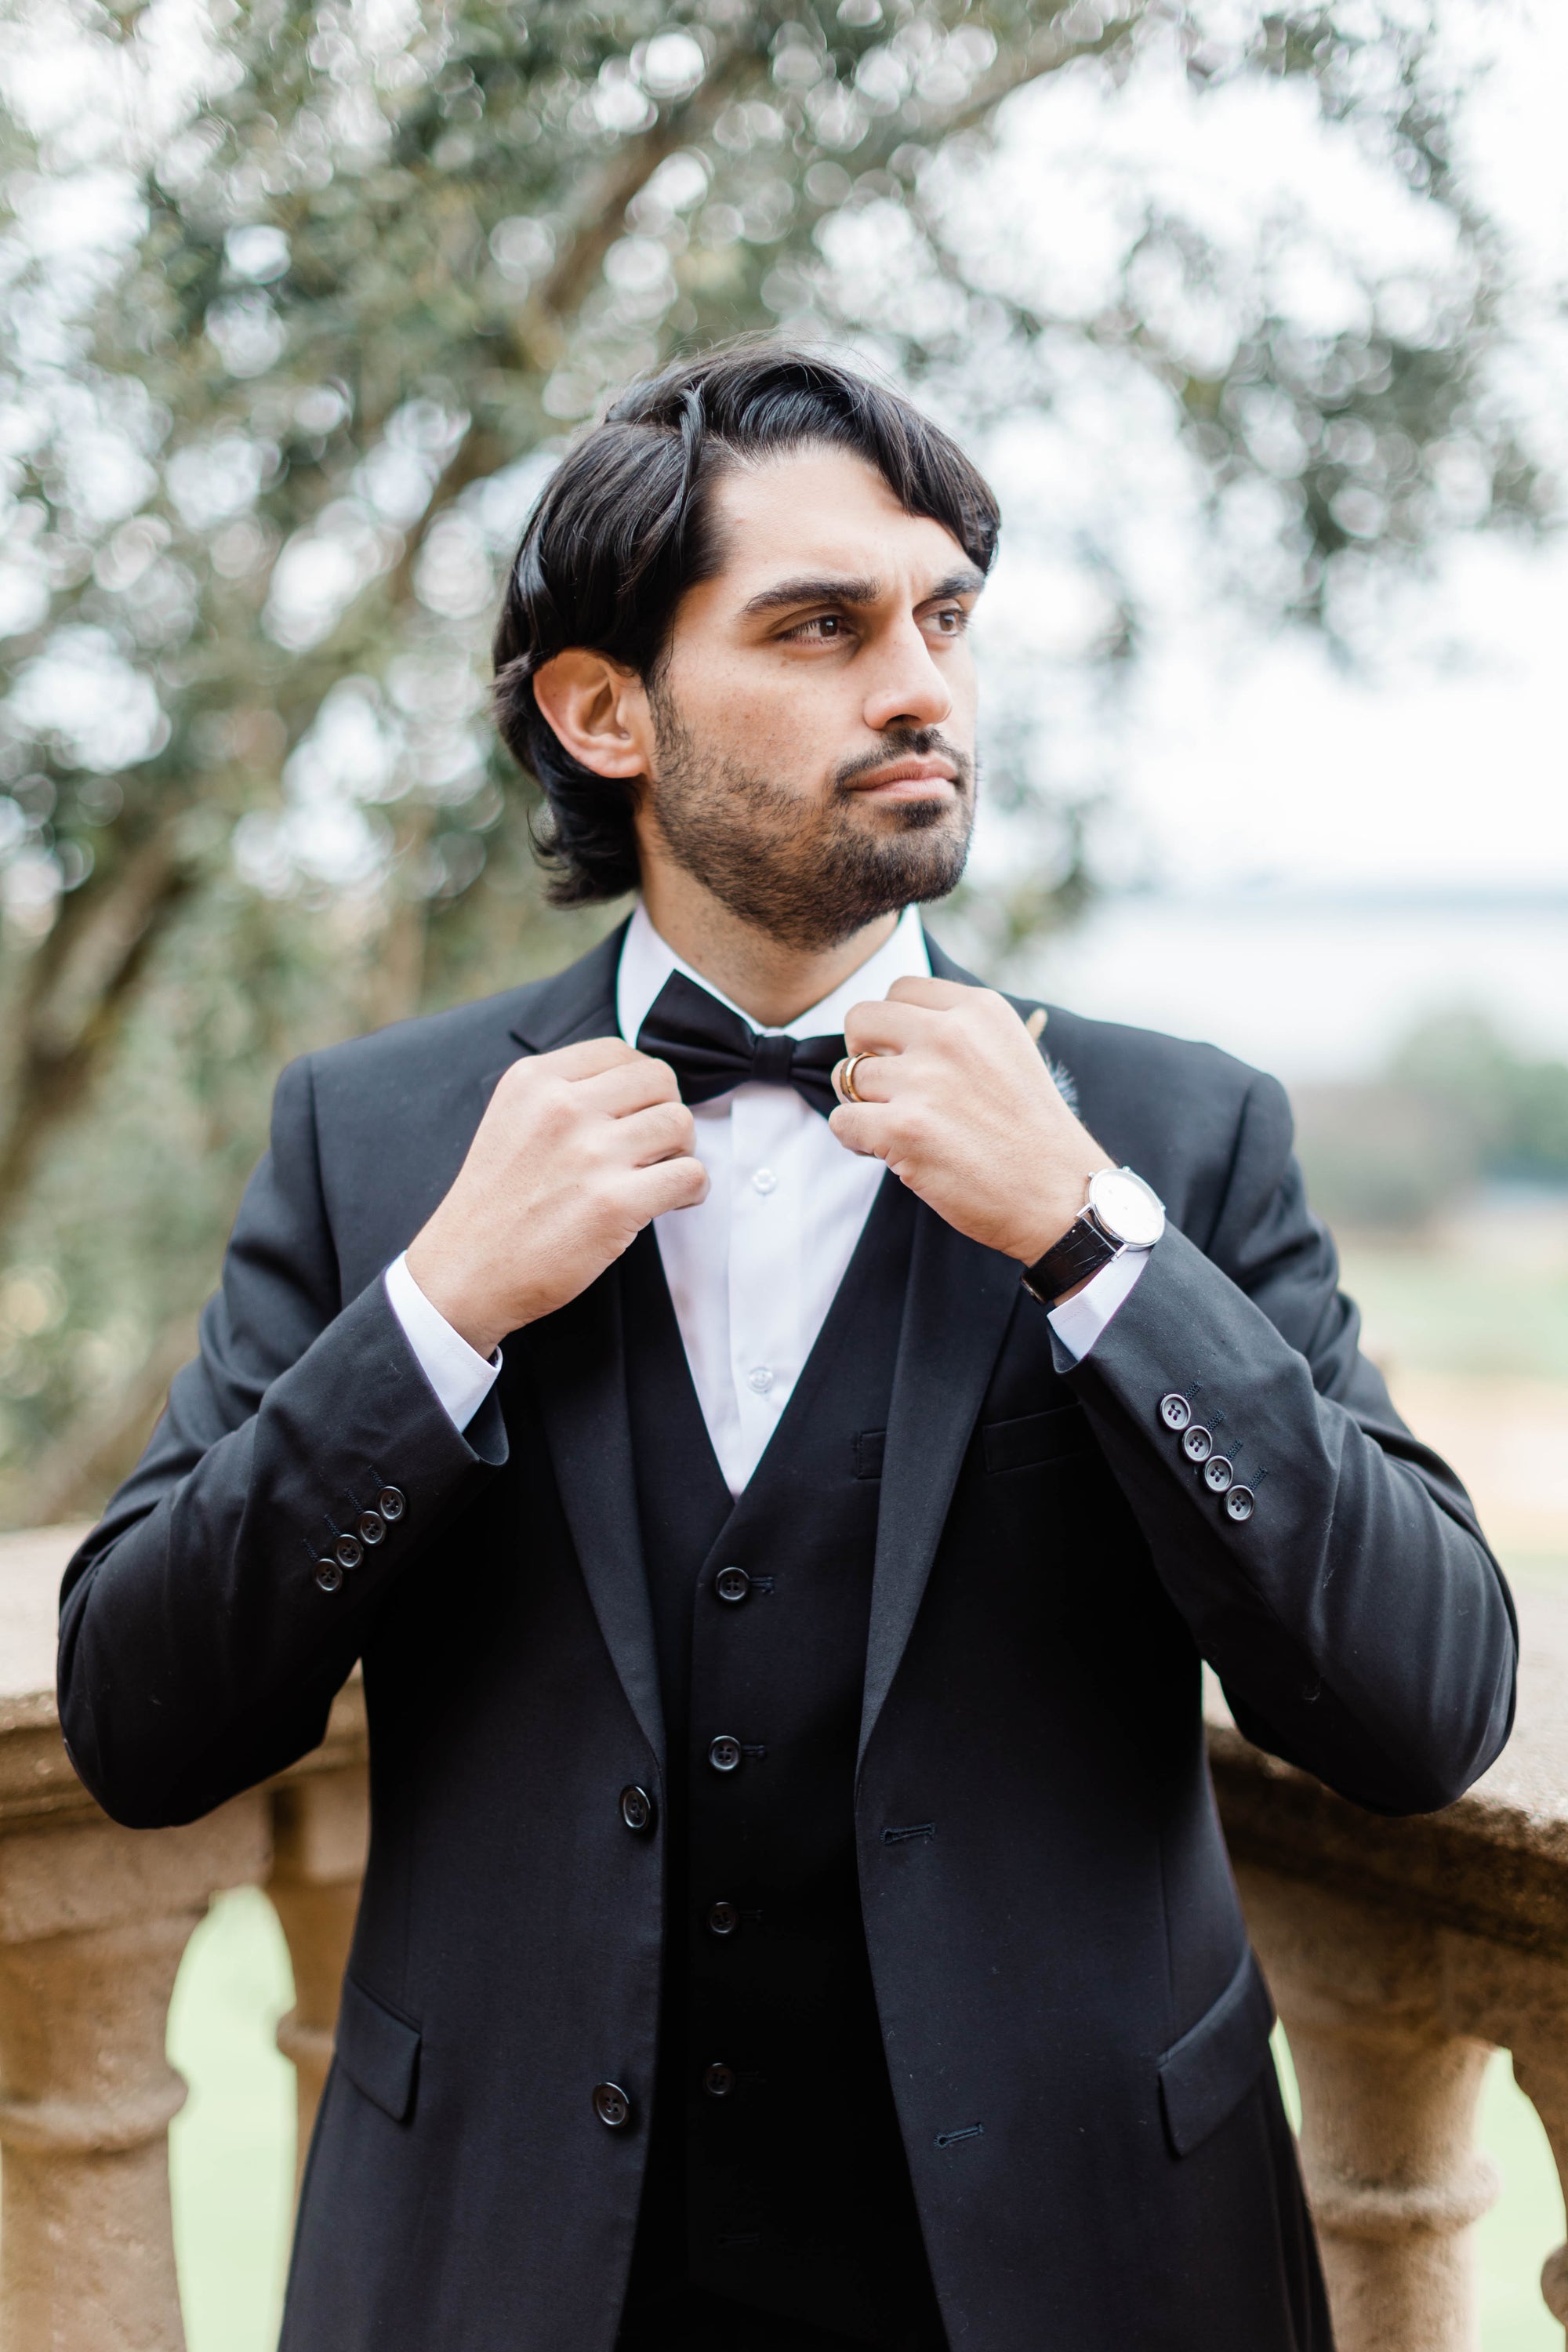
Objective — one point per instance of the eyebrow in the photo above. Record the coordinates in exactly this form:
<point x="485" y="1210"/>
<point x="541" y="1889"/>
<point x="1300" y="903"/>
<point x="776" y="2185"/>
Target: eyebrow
<point x="827" y="588"/>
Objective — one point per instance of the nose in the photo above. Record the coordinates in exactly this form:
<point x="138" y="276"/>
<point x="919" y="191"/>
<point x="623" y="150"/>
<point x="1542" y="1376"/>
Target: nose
<point x="908" y="689"/>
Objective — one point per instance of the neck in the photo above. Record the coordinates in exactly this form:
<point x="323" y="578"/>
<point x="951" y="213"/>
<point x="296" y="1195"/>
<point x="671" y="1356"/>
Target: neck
<point x="772" y="982"/>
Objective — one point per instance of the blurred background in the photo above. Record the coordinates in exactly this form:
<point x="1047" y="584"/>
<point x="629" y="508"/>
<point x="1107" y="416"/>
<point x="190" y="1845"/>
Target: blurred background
<point x="1254" y="317"/>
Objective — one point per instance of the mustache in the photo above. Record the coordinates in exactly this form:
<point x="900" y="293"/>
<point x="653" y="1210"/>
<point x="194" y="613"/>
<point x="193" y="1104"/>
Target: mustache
<point x="907" y="744"/>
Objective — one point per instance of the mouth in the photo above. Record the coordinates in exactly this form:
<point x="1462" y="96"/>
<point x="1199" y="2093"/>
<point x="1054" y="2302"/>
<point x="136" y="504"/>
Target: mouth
<point x="909" y="779"/>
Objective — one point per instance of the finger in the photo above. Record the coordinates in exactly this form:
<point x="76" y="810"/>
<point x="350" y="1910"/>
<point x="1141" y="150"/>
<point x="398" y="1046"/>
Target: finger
<point x="860" y="1128"/>
<point x="629" y="1085"/>
<point x="662" y="1131"/>
<point x="587" y="1059"/>
<point x="879" y="1026"/>
<point x="668" y="1184"/>
<point x="936" y="995"/>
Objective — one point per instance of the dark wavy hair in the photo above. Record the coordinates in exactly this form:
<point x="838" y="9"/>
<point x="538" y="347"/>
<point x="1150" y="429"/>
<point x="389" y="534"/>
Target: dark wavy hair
<point x="625" y="528"/>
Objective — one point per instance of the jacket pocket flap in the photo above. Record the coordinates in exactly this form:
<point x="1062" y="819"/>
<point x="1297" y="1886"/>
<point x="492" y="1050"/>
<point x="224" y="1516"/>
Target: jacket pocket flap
<point x="378" y="2051"/>
<point x="1053" y="1437"/>
<point x="1213" y="2065"/>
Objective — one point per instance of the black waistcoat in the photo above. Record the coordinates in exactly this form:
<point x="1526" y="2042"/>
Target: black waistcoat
<point x="776" y="2174"/>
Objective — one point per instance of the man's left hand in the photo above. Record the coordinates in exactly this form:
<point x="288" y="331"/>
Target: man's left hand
<point x="959" y="1105"/>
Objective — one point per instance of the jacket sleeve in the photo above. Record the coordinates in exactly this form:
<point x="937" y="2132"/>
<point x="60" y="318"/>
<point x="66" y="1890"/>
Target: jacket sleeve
<point x="198" y="1651"/>
<point x="1359" y="1624"/>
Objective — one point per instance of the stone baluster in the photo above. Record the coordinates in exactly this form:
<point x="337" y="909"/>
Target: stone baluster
<point x="321" y="1829"/>
<point x="1519" y="1999"/>
<point x="1388" y="2089"/>
<point x="94" y="1920"/>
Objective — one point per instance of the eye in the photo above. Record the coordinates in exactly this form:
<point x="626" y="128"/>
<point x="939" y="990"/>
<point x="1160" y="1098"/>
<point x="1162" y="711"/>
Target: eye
<point x="822" y="628"/>
<point x="952" y="621"/>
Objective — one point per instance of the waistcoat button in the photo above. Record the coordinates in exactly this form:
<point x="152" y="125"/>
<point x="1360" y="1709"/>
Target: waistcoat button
<point x="636" y="1808"/>
<point x="724" y="1919"/>
<point x="611" y="2106"/>
<point x="724" y="1754"/>
<point x="719" y="2080"/>
<point x="731" y="1584"/>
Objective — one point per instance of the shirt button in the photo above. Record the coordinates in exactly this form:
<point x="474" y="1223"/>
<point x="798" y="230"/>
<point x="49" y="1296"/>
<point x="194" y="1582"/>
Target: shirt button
<point x="636" y="1809"/>
<point x="724" y="1753"/>
<point x="765" y="1181"/>
<point x="723" y="1918"/>
<point x="760" y="1379"/>
<point x="731" y="1584"/>
<point x="717" y="2081"/>
<point x="611" y="2106"/>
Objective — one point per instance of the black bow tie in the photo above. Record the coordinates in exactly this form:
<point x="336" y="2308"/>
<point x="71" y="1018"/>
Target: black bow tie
<point x="711" y="1049"/>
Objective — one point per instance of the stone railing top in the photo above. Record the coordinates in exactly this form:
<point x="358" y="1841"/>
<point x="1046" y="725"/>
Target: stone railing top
<point x="1496" y="1860"/>
<point x="1495" y="1863"/>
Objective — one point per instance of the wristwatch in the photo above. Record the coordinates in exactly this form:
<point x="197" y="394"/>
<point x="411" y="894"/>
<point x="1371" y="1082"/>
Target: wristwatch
<point x="1122" y="1213"/>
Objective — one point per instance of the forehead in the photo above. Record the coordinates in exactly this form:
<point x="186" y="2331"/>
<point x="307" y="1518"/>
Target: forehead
<point x="823" y="511"/>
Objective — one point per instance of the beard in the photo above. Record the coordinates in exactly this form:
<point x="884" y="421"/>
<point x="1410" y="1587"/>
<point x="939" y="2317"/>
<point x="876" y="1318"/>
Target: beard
<point x="808" y="871"/>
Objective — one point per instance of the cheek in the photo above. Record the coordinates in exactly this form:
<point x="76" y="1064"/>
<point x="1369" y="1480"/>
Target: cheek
<point x="787" y="725"/>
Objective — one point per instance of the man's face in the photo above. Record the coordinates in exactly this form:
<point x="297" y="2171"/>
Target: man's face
<point x="814" y="720"/>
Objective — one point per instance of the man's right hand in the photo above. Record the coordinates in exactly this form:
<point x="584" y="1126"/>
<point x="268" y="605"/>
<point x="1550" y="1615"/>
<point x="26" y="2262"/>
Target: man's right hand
<point x="577" y="1152"/>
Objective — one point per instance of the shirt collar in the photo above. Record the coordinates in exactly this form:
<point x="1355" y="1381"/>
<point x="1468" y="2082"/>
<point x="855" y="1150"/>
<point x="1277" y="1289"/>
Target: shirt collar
<point x="647" y="961"/>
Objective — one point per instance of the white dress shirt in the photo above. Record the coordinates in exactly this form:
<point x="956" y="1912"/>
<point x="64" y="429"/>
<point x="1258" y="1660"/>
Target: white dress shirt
<point x="754" y="1268"/>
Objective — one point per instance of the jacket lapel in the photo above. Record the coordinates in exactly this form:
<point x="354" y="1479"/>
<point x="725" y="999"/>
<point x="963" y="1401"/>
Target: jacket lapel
<point x="577" y="1356"/>
<point x="960" y="1301"/>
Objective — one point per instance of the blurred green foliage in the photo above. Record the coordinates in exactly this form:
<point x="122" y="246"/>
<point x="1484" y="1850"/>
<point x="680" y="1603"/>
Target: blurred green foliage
<point x="1457" y="1107"/>
<point x="302" y="301"/>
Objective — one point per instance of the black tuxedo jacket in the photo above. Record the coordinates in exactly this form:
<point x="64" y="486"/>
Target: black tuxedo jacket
<point x="1075" y="2033"/>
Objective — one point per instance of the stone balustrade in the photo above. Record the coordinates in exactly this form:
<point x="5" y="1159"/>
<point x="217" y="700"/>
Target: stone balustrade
<point x="1400" y="1953"/>
<point x="94" y="1920"/>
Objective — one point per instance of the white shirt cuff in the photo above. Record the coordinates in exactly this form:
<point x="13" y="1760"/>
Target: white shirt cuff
<point x="1077" y="1322"/>
<point x="459" y="1373"/>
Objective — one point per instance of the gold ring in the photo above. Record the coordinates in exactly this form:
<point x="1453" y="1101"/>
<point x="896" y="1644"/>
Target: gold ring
<point x="844" y="1076"/>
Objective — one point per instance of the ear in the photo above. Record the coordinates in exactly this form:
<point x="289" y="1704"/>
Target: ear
<point x="598" y="710"/>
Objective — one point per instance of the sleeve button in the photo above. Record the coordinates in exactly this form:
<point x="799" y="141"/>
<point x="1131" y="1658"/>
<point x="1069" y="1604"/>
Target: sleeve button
<point x="369" y="1527"/>
<point x="348" y="1551"/>
<point x="328" y="1575"/>
<point x="1198" y="1443"/>
<point x="1175" y="1412"/>
<point x="1240" y="1503"/>
<point x="1218" y="1474"/>
<point x="391" y="1504"/>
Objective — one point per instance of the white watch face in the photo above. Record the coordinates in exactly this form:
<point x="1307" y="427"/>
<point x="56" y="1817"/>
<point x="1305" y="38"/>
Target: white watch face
<point x="1128" y="1208"/>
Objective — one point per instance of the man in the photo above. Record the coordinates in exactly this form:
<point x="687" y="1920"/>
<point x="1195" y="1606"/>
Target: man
<point x="781" y="1441"/>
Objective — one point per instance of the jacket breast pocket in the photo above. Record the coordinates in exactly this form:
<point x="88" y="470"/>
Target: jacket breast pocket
<point x="1062" y="1434"/>
<point x="378" y="2051"/>
<point x="1205" y="2076"/>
